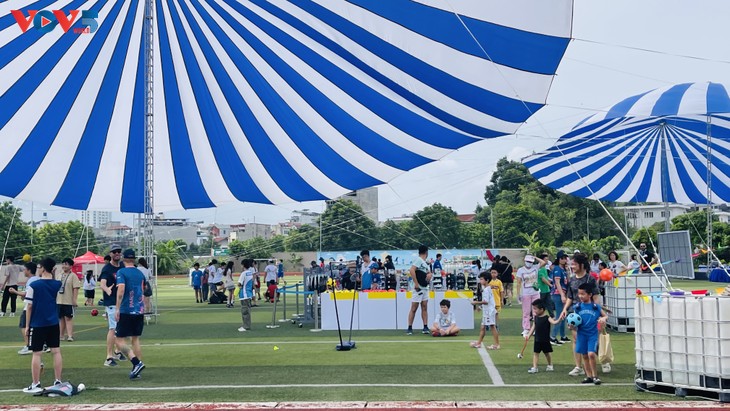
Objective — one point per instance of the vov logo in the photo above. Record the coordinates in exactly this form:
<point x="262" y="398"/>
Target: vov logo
<point x="47" y="20"/>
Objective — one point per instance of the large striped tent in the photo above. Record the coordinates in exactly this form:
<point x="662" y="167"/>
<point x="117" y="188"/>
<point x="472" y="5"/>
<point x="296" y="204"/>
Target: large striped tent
<point x="259" y="101"/>
<point x="668" y="145"/>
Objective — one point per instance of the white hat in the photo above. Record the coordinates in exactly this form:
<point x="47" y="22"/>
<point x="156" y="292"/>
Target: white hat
<point x="529" y="258"/>
<point x="576" y="251"/>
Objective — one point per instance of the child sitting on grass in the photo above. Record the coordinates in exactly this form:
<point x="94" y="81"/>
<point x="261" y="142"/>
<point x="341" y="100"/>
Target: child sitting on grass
<point x="444" y="324"/>
<point x="489" y="314"/>
<point x="591" y="315"/>
<point x="541" y="329"/>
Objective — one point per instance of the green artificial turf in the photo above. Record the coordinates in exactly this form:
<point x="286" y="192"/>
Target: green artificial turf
<point x="198" y="347"/>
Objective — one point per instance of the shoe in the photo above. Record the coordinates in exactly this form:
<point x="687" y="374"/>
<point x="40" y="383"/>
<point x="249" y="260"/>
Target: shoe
<point x="606" y="368"/>
<point x="549" y="368"/>
<point x="587" y="380"/>
<point x="493" y="347"/>
<point x="475" y="344"/>
<point x="425" y="331"/>
<point x="565" y="339"/>
<point x="409" y="331"/>
<point x="25" y="351"/>
<point x="241" y="329"/>
<point x="576" y="372"/>
<point x="555" y="341"/>
<point x="110" y="362"/>
<point x="120" y="356"/>
<point x="57" y="382"/>
<point x="2" y="314"/>
<point x="136" y="370"/>
<point x="33" y="389"/>
<point x="46" y="348"/>
<point x="12" y="314"/>
<point x="70" y="339"/>
<point x="532" y="370"/>
<point x="597" y="381"/>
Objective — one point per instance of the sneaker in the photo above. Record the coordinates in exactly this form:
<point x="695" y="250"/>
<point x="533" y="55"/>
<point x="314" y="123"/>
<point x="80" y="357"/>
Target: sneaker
<point x="2" y="314"/>
<point x="565" y="339"/>
<point x="606" y="368"/>
<point x="576" y="372"/>
<point x="549" y="368"/>
<point x="532" y="370"/>
<point x="587" y="380"/>
<point x="12" y="314"/>
<point x="120" y="356"/>
<point x="475" y="344"/>
<point x="425" y="331"/>
<point x="57" y="382"/>
<point x="597" y="381"/>
<point x="110" y="362"/>
<point x="409" y="331"/>
<point x="136" y="370"/>
<point x="554" y="341"/>
<point x="70" y="339"/>
<point x="25" y="351"/>
<point x="33" y="389"/>
<point x="46" y="348"/>
<point x="241" y="329"/>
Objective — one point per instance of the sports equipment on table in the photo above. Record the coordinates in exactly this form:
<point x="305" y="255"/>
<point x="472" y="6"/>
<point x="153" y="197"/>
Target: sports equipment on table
<point x="574" y="320"/>
<point x="421" y="278"/>
<point x="94" y="312"/>
<point x="605" y="275"/>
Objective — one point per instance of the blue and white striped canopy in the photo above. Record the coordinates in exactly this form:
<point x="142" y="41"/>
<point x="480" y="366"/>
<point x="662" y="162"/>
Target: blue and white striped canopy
<point x="263" y="101"/>
<point x="647" y="157"/>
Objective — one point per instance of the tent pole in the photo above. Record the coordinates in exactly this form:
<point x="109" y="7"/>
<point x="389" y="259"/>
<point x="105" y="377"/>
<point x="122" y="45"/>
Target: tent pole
<point x="147" y="237"/>
<point x="665" y="172"/>
<point x="709" y="192"/>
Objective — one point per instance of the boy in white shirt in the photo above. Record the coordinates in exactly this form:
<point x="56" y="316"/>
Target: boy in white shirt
<point x="444" y="324"/>
<point x="489" y="314"/>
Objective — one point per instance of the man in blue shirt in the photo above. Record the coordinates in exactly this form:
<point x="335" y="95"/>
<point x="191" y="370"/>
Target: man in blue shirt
<point x="130" y="311"/>
<point x="369" y="271"/>
<point x="42" y="323"/>
<point x="245" y="294"/>
<point x="197" y="281"/>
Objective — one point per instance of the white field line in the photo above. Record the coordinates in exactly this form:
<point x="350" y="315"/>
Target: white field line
<point x="491" y="369"/>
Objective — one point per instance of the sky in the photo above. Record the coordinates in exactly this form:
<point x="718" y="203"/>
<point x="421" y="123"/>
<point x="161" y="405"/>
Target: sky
<point x="620" y="48"/>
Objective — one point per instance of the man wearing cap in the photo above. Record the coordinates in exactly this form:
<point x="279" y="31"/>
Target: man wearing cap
<point x="108" y="283"/>
<point x="130" y="313"/>
<point x="560" y="284"/>
<point x="527" y="290"/>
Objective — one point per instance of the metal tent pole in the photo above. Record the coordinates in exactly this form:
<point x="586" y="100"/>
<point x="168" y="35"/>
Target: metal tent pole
<point x="665" y="174"/>
<point x="709" y="192"/>
<point x="148" y="237"/>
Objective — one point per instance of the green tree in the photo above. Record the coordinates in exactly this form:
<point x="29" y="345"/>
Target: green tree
<point x="305" y="238"/>
<point x="252" y="248"/>
<point x="607" y="244"/>
<point x="647" y="236"/>
<point x="346" y="227"/>
<point x="475" y="235"/>
<point x="82" y="235"/>
<point x="694" y="222"/>
<point x="436" y="225"/>
<point x="19" y="239"/>
<point x="168" y="257"/>
<point x="512" y="221"/>
<point x="507" y="178"/>
<point x="54" y="241"/>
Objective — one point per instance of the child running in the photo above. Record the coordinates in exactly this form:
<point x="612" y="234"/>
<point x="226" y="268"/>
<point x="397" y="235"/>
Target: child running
<point x="444" y="324"/>
<point x="586" y="342"/>
<point x="541" y="329"/>
<point x="489" y="315"/>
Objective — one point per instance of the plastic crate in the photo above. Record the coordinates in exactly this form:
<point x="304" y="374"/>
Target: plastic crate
<point x="620" y="296"/>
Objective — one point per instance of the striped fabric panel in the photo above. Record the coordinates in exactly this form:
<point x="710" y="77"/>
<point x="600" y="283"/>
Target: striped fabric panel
<point x="263" y="101"/>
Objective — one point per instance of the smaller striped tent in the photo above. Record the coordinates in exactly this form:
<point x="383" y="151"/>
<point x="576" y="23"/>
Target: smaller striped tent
<point x="652" y="147"/>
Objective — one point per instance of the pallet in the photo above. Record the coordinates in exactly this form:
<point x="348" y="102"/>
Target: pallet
<point x="682" y="392"/>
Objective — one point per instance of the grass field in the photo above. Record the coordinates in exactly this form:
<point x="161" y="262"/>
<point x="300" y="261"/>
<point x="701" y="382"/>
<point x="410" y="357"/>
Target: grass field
<point x="195" y="353"/>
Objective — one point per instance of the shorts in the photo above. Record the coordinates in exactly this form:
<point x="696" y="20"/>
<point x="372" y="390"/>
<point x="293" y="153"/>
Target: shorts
<point x="542" y="346"/>
<point x="65" y="310"/>
<point x="40" y="336"/>
<point x="130" y="325"/>
<point x="585" y="343"/>
<point x="230" y="287"/>
<point x="196" y="287"/>
<point x="111" y="311"/>
<point x="89" y="293"/>
<point x="489" y="318"/>
<point x="419" y="296"/>
<point x="21" y="324"/>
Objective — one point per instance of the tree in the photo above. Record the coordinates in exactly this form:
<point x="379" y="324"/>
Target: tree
<point x="168" y="257"/>
<point x="475" y="235"/>
<point x="82" y="236"/>
<point x="436" y="225"/>
<point x="252" y="248"/>
<point x="305" y="238"/>
<point x="396" y="235"/>
<point x="54" y="241"/>
<point x="694" y="222"/>
<point x="512" y="221"/>
<point x="346" y="227"/>
<point x="18" y="243"/>
<point x="608" y="244"/>
<point x="508" y="177"/>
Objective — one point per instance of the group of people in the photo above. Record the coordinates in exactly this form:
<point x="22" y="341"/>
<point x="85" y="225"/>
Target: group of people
<point x="50" y="299"/>
<point x="215" y="284"/>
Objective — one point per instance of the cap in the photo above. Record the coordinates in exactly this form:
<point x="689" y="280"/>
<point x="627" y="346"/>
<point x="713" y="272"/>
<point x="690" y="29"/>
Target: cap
<point x="271" y="260"/>
<point x="116" y="247"/>
<point x="576" y="251"/>
<point x="561" y="254"/>
<point x="529" y="258"/>
<point x="129" y="253"/>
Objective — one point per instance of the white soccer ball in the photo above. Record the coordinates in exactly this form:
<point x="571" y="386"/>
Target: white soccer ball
<point x="81" y="387"/>
<point x="519" y="355"/>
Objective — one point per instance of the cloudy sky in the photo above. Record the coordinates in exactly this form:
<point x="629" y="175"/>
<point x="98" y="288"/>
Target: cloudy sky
<point x="620" y="48"/>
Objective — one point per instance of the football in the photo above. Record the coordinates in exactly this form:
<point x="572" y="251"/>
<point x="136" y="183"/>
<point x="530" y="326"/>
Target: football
<point x="574" y="320"/>
<point x="94" y="312"/>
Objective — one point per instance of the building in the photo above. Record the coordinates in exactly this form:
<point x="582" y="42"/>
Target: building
<point x="367" y="199"/>
<point x="640" y="216"/>
<point x="95" y="219"/>
<point x="285" y="228"/>
<point x="305" y="217"/>
<point x="243" y="232"/>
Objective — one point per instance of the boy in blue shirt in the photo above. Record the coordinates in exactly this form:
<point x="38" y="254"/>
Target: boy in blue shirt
<point x="245" y="294"/>
<point x="42" y="323"/>
<point x="130" y="312"/>
<point x="197" y="282"/>
<point x="586" y="343"/>
<point x="370" y="274"/>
